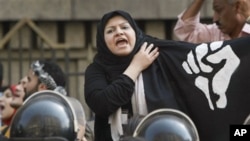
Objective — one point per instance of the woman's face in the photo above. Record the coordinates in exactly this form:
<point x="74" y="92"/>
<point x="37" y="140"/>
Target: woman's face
<point x="119" y="36"/>
<point x="6" y="110"/>
<point x="19" y="94"/>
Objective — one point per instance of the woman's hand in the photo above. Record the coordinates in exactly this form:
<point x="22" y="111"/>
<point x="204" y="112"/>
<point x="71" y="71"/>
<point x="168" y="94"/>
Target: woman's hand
<point x="142" y="59"/>
<point x="145" y="56"/>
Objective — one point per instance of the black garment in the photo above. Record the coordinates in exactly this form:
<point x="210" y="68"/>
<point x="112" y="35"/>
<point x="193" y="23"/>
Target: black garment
<point x="185" y="76"/>
<point x="104" y="103"/>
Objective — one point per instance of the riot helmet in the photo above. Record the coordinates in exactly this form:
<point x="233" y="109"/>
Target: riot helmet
<point x="47" y="115"/>
<point x="166" y="125"/>
<point x="247" y="120"/>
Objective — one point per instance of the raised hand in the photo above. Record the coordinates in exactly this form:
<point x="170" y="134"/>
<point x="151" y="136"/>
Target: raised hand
<point x="142" y="59"/>
<point x="145" y="56"/>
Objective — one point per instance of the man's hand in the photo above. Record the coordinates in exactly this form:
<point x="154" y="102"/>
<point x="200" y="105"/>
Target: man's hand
<point x="193" y="9"/>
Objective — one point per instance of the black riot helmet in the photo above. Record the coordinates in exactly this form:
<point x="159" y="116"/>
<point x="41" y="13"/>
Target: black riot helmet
<point x="166" y="125"/>
<point x="47" y="115"/>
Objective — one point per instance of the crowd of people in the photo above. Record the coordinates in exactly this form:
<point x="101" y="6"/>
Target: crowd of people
<point x="135" y="74"/>
<point x="42" y="75"/>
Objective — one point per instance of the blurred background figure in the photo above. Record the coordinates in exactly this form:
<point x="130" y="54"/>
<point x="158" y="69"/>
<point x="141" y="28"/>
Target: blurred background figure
<point x="44" y="75"/>
<point x="229" y="23"/>
<point x="6" y="110"/>
<point x="11" y="99"/>
<point x="18" y="95"/>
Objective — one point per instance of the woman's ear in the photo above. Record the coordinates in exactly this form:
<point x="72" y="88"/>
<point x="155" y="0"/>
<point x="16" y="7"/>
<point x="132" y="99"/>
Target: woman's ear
<point x="42" y="86"/>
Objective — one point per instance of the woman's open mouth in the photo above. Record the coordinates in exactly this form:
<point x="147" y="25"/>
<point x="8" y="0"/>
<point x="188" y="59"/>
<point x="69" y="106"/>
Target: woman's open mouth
<point x="121" y="42"/>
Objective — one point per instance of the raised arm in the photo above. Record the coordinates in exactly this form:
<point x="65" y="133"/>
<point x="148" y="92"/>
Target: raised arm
<point x="189" y="28"/>
<point x="193" y="9"/>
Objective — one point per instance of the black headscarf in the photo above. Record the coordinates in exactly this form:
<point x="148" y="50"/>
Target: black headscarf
<point x="156" y="81"/>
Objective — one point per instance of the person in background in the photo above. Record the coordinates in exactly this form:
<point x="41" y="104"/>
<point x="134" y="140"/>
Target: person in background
<point x="18" y="95"/>
<point x="7" y="112"/>
<point x="12" y="99"/>
<point x="229" y="23"/>
<point x="44" y="75"/>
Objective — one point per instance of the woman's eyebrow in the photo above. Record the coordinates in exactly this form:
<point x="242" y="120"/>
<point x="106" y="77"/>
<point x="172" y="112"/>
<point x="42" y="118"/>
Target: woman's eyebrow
<point x="118" y="24"/>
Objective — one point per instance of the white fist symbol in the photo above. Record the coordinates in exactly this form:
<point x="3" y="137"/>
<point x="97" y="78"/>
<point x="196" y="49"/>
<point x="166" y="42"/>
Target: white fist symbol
<point x="220" y="81"/>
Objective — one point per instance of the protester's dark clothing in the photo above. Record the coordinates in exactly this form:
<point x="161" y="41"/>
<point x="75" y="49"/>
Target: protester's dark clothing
<point x="116" y="95"/>
<point x="168" y="84"/>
